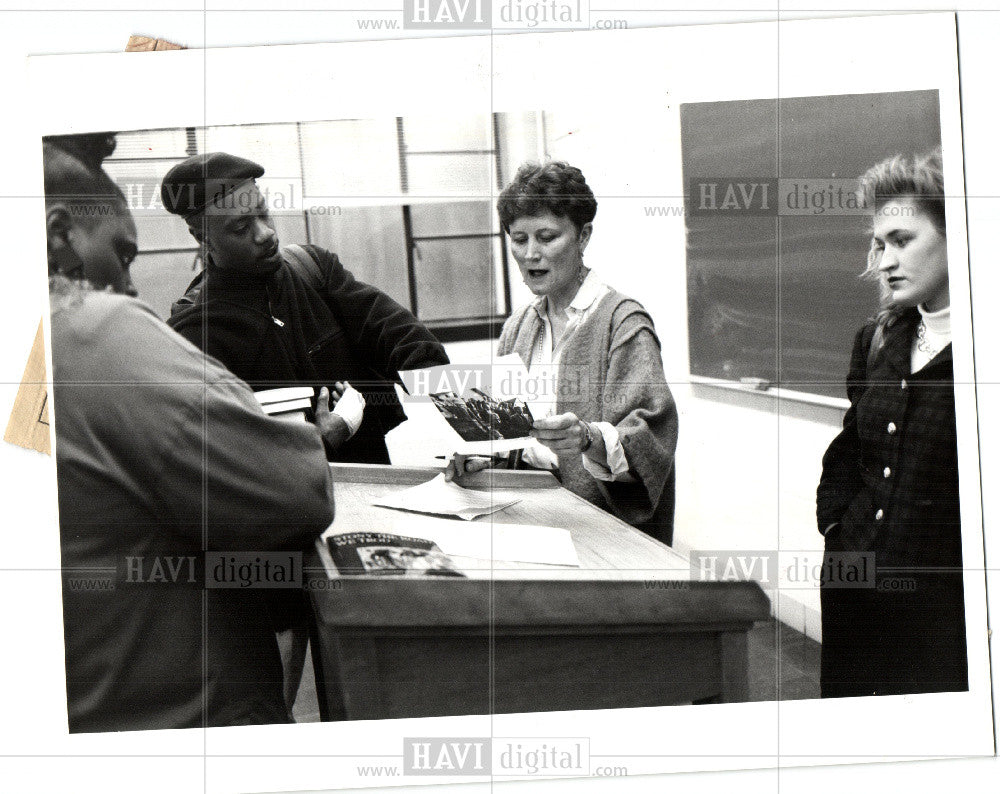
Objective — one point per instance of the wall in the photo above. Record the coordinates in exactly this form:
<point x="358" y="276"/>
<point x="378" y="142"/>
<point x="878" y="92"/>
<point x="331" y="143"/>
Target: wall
<point x="747" y="463"/>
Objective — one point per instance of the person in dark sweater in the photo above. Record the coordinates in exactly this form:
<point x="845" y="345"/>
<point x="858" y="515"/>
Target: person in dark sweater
<point x="889" y="486"/>
<point x="282" y="317"/>
<point x="291" y="317"/>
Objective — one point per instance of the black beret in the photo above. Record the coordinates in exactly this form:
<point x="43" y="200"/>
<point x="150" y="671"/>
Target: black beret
<point x="189" y="187"/>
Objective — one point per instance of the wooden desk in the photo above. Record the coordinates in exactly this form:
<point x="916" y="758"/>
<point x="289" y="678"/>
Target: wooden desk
<point x="626" y="629"/>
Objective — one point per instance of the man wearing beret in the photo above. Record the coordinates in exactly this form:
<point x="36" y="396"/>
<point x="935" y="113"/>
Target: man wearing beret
<point x="279" y="317"/>
<point x="157" y="483"/>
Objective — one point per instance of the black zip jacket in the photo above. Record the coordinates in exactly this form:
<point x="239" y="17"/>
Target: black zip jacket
<point x="293" y="327"/>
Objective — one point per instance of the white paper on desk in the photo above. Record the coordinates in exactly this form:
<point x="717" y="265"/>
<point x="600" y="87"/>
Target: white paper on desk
<point x="445" y="498"/>
<point x="489" y="541"/>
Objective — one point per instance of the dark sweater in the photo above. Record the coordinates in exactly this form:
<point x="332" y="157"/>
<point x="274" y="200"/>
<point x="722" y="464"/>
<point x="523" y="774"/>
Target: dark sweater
<point x="333" y="328"/>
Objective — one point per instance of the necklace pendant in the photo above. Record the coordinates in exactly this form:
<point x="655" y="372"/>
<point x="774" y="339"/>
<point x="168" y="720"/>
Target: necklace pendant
<point x="922" y="344"/>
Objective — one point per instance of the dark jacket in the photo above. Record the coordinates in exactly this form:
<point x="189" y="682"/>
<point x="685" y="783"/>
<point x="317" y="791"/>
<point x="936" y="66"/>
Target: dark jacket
<point x="290" y="328"/>
<point x="890" y="487"/>
<point x="909" y="472"/>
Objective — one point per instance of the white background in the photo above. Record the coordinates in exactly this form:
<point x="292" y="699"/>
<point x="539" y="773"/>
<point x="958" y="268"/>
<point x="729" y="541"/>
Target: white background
<point x="31" y="680"/>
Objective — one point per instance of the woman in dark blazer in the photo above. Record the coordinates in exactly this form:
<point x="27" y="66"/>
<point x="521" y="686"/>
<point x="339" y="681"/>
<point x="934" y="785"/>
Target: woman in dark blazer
<point x="889" y="487"/>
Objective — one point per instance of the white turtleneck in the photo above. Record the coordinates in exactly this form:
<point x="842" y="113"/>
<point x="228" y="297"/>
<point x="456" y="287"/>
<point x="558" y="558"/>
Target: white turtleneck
<point x="937" y="336"/>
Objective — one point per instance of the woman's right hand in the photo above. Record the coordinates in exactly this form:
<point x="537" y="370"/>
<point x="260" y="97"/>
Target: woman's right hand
<point x="460" y="465"/>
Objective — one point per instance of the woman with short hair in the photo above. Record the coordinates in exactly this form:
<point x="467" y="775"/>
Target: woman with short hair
<point x="612" y="436"/>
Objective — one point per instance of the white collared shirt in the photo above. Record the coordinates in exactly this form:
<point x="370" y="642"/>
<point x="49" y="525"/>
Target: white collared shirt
<point x="545" y="354"/>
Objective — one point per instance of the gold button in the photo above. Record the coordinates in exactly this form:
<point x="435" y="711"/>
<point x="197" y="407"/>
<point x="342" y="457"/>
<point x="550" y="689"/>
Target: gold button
<point x="891" y="428"/>
<point x="879" y="514"/>
<point x="886" y="472"/>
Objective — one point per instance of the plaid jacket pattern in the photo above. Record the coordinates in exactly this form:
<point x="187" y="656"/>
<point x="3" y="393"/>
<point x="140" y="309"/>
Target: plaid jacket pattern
<point x="890" y="478"/>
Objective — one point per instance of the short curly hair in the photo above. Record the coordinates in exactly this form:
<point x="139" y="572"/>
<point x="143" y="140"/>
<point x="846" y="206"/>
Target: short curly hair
<point x="556" y="187"/>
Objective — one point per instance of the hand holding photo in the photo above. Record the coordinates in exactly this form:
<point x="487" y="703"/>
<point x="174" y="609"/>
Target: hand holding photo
<point x="564" y="433"/>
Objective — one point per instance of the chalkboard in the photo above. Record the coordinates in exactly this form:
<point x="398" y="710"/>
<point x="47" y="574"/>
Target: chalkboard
<point x="775" y="296"/>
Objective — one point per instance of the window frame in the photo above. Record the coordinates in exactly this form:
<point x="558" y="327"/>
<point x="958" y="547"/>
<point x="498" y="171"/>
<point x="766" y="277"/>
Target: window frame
<point x="451" y="329"/>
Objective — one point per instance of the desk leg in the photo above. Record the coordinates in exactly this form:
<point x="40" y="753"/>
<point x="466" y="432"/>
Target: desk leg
<point x="347" y="682"/>
<point x="320" y="659"/>
<point x="734" y="671"/>
<point x="734" y="663"/>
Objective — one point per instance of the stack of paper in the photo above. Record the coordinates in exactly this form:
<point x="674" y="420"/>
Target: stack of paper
<point x="290" y="402"/>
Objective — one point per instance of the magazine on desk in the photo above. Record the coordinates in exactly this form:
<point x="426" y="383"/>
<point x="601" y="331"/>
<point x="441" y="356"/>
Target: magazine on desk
<point x="386" y="554"/>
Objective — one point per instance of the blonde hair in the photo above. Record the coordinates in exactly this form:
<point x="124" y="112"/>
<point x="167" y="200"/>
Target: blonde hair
<point x="919" y="178"/>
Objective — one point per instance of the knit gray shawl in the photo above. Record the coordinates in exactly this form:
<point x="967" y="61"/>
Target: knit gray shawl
<point x="610" y="370"/>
